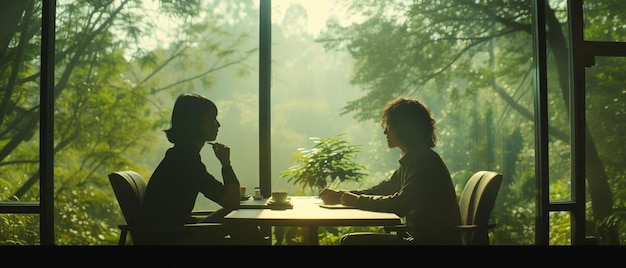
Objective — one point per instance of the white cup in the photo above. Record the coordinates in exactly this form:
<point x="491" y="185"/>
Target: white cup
<point x="257" y="193"/>
<point x="242" y="191"/>
<point x="279" y="197"/>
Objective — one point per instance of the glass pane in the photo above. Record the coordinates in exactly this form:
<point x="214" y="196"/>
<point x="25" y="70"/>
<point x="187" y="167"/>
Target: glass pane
<point x="559" y="148"/>
<point x="19" y="230"/>
<point x="19" y="110"/>
<point x="309" y="88"/>
<point x="605" y="20"/>
<point x="336" y="63"/>
<point x="560" y="228"/>
<point x="606" y="174"/>
<point x="19" y="117"/>
<point x="117" y="76"/>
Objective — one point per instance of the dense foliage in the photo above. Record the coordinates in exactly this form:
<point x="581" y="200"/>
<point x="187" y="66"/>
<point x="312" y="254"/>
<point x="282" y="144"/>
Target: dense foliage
<point x="475" y="57"/>
<point x="108" y="102"/>
<point x="470" y="60"/>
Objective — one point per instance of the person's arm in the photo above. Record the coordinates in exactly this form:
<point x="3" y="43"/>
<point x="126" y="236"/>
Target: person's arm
<point x="231" y="198"/>
<point x="386" y="187"/>
<point x="351" y="197"/>
<point x="331" y="197"/>
<point x="387" y="196"/>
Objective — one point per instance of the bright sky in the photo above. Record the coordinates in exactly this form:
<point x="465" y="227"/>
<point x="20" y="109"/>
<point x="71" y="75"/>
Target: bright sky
<point x="318" y="11"/>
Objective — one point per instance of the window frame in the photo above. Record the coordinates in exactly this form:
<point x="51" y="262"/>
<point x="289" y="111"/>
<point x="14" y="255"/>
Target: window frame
<point x="45" y="208"/>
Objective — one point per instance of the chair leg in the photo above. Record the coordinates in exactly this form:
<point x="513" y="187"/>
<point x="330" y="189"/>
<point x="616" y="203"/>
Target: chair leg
<point x="122" y="241"/>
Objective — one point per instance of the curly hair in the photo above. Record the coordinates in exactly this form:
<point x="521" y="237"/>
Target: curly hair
<point x="412" y="120"/>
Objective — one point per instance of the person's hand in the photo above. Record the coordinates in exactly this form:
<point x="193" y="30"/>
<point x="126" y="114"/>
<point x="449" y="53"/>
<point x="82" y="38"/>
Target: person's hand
<point x="222" y="152"/>
<point x="330" y="197"/>
<point x="349" y="199"/>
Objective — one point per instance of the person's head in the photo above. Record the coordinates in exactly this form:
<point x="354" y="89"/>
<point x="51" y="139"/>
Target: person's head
<point x="194" y="119"/>
<point x="408" y="123"/>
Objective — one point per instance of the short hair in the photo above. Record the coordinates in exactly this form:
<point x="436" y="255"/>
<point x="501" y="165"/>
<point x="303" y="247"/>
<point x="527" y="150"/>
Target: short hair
<point x="187" y="115"/>
<point x="412" y="120"/>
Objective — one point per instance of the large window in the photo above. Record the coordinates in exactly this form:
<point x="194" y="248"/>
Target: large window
<point x="310" y="87"/>
<point x="119" y="65"/>
<point x="20" y="65"/>
<point x="474" y="71"/>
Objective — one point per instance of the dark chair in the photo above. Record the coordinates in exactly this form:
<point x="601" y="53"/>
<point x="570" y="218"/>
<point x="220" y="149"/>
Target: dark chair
<point x="476" y="203"/>
<point x="129" y="188"/>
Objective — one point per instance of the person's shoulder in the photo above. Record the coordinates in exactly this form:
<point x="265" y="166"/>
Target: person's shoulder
<point x="422" y="155"/>
<point x="182" y="154"/>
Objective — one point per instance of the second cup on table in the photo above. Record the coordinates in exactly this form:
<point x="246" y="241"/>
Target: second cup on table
<point x="242" y="191"/>
<point x="257" y="193"/>
<point x="279" y="197"/>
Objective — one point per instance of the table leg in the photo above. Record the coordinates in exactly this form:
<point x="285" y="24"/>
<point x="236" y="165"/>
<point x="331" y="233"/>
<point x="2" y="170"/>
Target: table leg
<point x="313" y="238"/>
<point x="266" y="230"/>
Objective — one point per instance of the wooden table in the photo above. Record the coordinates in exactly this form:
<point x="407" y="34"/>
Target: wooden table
<point x="307" y="212"/>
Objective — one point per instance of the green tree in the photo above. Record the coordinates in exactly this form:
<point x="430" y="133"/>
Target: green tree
<point x="108" y="97"/>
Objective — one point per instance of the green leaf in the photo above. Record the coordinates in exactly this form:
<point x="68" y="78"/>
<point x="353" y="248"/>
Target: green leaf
<point x="330" y="161"/>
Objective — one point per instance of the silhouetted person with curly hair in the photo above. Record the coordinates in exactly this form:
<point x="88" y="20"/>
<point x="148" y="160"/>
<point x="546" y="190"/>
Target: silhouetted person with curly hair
<point x="420" y="190"/>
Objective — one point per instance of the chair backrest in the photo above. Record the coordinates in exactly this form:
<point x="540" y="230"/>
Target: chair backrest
<point x="476" y="203"/>
<point x="129" y="188"/>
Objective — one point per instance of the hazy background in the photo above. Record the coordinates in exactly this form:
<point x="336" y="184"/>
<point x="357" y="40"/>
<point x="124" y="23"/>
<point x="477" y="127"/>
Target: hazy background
<point x="309" y="88"/>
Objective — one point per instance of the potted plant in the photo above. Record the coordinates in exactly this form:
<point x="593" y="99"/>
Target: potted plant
<point x="328" y="163"/>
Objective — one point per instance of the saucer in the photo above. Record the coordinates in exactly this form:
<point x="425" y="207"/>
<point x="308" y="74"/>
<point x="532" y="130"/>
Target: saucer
<point x="280" y="206"/>
<point x="271" y="202"/>
<point x="245" y="197"/>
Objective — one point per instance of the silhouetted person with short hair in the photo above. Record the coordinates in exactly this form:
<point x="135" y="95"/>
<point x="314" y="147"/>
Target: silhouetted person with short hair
<point x="181" y="175"/>
<point x="420" y="190"/>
